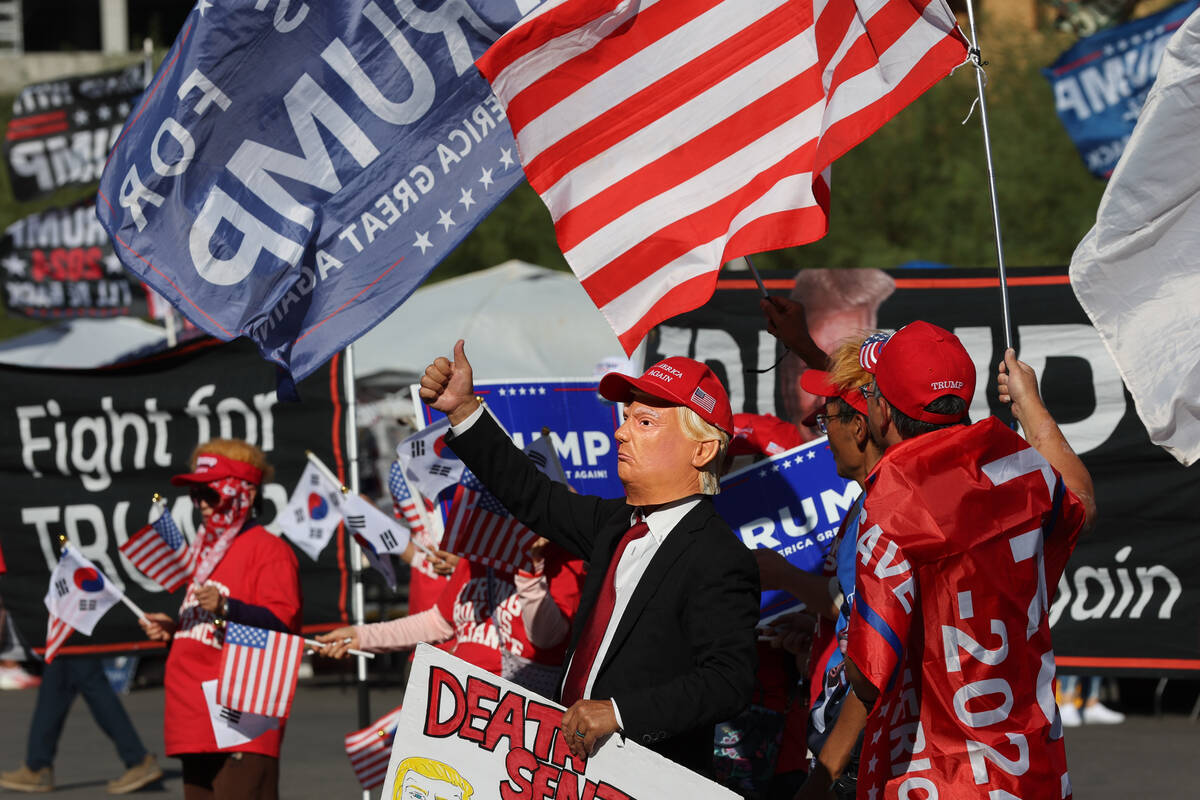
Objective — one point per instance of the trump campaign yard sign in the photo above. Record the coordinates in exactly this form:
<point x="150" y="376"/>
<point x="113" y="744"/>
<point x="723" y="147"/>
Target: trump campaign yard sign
<point x="466" y="733"/>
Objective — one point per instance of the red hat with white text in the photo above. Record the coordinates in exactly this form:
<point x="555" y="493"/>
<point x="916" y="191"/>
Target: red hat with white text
<point x="918" y="364"/>
<point x="683" y="381"/>
<point x="819" y="382"/>
<point x="213" y="467"/>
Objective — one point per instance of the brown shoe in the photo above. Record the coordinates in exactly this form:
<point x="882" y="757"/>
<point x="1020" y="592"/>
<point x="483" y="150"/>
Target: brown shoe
<point x="137" y="776"/>
<point x="27" y="780"/>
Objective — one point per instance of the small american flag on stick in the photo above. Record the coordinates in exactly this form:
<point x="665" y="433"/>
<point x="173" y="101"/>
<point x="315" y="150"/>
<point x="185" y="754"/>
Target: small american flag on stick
<point x="258" y="670"/>
<point x="159" y="552"/>
<point x="57" y="632"/>
<point x="481" y="529"/>
<point x="370" y="749"/>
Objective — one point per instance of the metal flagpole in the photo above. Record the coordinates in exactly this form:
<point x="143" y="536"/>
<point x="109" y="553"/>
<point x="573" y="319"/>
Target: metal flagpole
<point x="356" y="556"/>
<point x="987" y="149"/>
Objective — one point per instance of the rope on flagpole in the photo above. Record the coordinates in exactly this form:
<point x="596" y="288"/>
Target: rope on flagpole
<point x="977" y="60"/>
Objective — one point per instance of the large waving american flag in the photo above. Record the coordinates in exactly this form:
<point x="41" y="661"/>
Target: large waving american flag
<point x="670" y="136"/>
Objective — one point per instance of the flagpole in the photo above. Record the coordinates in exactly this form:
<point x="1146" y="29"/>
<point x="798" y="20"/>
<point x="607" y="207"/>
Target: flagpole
<point x="356" y="556"/>
<point x="987" y="149"/>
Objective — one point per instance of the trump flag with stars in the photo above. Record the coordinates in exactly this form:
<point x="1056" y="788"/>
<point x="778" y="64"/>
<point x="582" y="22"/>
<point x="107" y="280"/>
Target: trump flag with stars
<point x="294" y="171"/>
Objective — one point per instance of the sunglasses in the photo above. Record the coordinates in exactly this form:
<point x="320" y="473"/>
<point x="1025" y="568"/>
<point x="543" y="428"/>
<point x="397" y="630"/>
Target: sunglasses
<point x="823" y="420"/>
<point x="204" y="494"/>
<point x="869" y="390"/>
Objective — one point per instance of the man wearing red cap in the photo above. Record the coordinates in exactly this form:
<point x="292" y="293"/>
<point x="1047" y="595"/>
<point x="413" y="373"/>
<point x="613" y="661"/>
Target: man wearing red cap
<point x="240" y="573"/>
<point x="964" y="528"/>
<point x="663" y="644"/>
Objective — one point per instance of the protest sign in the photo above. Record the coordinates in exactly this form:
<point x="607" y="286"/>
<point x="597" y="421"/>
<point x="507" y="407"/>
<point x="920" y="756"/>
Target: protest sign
<point x="581" y="425"/>
<point x="1101" y="82"/>
<point x="61" y="130"/>
<point x="60" y="263"/>
<point x="792" y="503"/>
<point x="294" y="173"/>
<point x="464" y="727"/>
<point x="89" y="448"/>
<point x="1129" y="596"/>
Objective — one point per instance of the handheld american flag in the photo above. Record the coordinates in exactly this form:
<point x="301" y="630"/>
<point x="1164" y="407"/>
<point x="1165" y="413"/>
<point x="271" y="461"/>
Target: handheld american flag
<point x="481" y="529"/>
<point x="57" y="632"/>
<point x="258" y="670"/>
<point x="159" y="551"/>
<point x="667" y="138"/>
<point x="370" y="749"/>
<point x="404" y="502"/>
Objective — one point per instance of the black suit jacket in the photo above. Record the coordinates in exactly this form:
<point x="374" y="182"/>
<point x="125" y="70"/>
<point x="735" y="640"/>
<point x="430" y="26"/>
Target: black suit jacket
<point x="683" y="655"/>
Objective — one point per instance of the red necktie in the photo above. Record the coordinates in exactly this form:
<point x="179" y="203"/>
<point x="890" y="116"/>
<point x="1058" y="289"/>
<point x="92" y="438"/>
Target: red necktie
<point x="597" y="623"/>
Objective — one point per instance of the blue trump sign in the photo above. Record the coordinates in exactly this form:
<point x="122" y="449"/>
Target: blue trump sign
<point x="792" y="503"/>
<point x="1101" y="82"/>
<point x="581" y="426"/>
<point x="296" y="169"/>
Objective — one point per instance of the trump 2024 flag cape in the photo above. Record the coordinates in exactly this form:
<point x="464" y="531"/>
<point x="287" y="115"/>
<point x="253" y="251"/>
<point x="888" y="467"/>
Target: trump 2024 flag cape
<point x="667" y="138"/>
<point x="1136" y="272"/>
<point x="258" y="670"/>
<point x="294" y="171"/>
<point x="159" y="551"/>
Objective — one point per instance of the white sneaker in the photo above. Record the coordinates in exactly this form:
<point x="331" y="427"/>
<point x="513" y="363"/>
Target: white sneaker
<point x="1070" y="715"/>
<point x="1100" y="714"/>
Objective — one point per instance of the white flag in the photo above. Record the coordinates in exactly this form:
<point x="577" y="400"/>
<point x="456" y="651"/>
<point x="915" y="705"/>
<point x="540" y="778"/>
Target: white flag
<point x="430" y="465"/>
<point x="1137" y="272"/>
<point x="541" y="451"/>
<point x="79" y="594"/>
<point x="312" y="515"/>
<point x="374" y="530"/>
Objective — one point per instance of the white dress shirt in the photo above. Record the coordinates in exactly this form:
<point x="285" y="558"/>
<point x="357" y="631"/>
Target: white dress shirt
<point x="634" y="561"/>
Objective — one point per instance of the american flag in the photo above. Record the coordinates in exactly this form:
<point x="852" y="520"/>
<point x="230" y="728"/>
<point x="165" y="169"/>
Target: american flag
<point x="704" y="399"/>
<point x="482" y="530"/>
<point x="404" y="503"/>
<point x="57" y="632"/>
<point x="258" y="670"/>
<point x="370" y="749"/>
<point x="159" y="552"/>
<point x="669" y="137"/>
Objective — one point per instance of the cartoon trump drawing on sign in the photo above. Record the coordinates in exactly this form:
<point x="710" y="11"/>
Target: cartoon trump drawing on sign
<point x="425" y="779"/>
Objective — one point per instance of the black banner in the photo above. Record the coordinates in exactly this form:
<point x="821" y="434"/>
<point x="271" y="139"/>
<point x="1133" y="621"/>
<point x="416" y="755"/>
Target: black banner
<point x="83" y="451"/>
<point x="61" y="131"/>
<point x="60" y="263"/>
<point x="1129" y="600"/>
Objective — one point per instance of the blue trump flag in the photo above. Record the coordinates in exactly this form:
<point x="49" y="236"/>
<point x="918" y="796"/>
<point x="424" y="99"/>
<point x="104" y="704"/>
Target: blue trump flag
<point x="792" y="503"/>
<point x="295" y="170"/>
<point x="581" y="424"/>
<point x="1101" y="82"/>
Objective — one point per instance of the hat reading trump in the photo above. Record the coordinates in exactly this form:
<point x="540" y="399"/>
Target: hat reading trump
<point x="679" y="380"/>
<point x="918" y="364"/>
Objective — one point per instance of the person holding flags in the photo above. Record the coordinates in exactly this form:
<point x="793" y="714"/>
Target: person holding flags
<point x="241" y="573"/>
<point x="497" y="619"/>
<point x="964" y="528"/>
<point x="664" y="644"/>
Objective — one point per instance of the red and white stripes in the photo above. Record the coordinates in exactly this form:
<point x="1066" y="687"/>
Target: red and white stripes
<point x="669" y="137"/>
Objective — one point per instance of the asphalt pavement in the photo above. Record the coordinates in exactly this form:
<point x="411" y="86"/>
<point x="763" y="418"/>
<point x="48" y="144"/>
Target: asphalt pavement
<point x="1146" y="757"/>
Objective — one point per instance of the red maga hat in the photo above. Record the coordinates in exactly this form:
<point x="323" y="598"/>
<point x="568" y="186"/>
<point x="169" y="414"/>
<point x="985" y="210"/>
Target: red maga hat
<point x="683" y="381"/>
<point x="212" y="467"/>
<point x="918" y="364"/>
<point x="820" y="383"/>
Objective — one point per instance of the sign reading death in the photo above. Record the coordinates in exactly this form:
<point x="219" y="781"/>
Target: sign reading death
<point x="465" y="732"/>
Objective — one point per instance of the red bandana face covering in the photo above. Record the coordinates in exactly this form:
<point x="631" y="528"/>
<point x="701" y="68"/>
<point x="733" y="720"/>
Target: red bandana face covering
<point x="214" y="536"/>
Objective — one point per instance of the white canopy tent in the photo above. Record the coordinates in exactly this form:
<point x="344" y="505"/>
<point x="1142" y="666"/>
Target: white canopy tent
<point x="519" y="321"/>
<point x="82" y="343"/>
